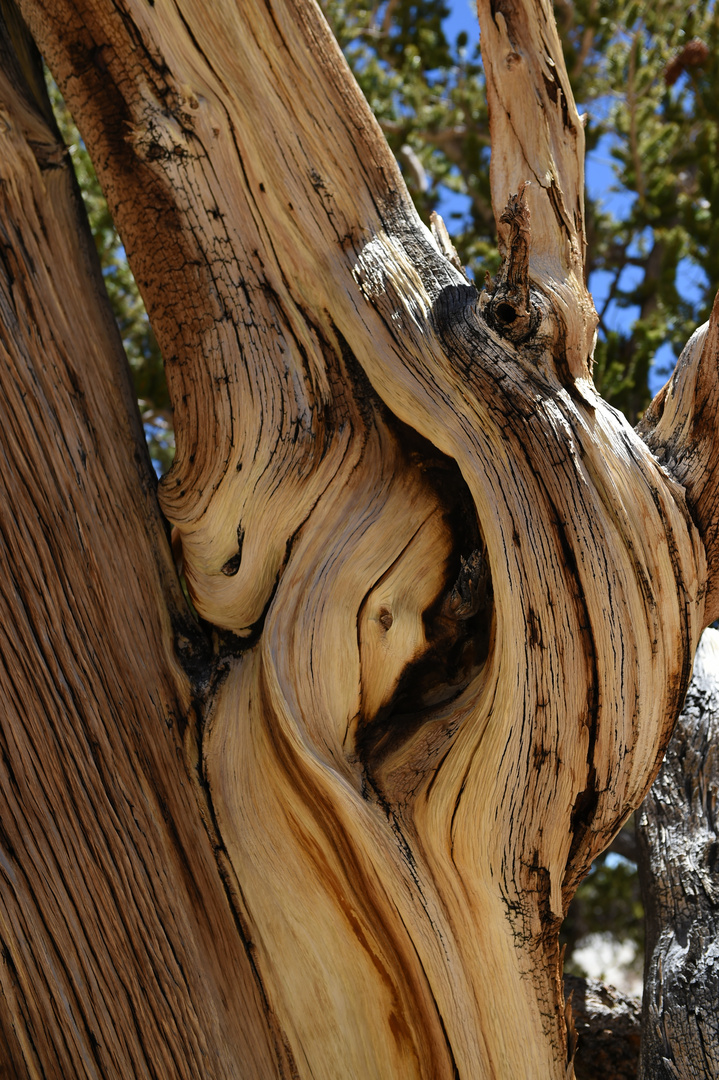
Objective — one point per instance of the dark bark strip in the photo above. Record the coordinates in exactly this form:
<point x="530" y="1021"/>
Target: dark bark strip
<point x="608" y="1026"/>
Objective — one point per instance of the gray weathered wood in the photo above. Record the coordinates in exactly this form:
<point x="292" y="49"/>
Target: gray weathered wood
<point x="608" y="1026"/>
<point x="679" y="868"/>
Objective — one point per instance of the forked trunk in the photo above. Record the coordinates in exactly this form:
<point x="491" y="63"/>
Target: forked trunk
<point x="449" y="599"/>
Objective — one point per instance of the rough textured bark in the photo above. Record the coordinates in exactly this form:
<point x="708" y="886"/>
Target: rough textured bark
<point x="608" y="1026"/>
<point x="679" y="845"/>
<point x="450" y="598"/>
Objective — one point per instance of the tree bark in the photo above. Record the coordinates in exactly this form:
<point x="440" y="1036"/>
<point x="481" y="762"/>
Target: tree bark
<point x="449" y="598"/>
<point x="608" y="1026"/>
<point x="678" y="846"/>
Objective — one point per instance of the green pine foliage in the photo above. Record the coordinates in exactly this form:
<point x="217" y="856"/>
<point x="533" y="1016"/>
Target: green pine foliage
<point x="608" y="902"/>
<point x="647" y="79"/>
<point x="647" y="76"/>
<point x="427" y="93"/>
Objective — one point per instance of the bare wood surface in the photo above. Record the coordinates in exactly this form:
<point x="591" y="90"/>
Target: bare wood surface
<point x="455" y="597"/>
<point x="538" y="140"/>
<point x="120" y="953"/>
<point x="679" y="849"/>
<point x="680" y="426"/>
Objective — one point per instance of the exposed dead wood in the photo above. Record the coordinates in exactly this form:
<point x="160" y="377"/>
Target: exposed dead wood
<point x="679" y="849"/>
<point x="120" y="954"/>
<point x="509" y="306"/>
<point x="455" y="597"/>
<point x="680" y="426"/>
<point x="538" y="137"/>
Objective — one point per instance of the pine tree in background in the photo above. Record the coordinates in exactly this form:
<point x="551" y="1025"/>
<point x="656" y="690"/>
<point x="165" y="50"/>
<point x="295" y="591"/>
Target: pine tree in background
<point x="646" y="77"/>
<point x="138" y="338"/>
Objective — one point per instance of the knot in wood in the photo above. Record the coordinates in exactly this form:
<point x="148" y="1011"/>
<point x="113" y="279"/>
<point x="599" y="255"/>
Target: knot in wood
<point x="509" y="310"/>
<point x="469" y="594"/>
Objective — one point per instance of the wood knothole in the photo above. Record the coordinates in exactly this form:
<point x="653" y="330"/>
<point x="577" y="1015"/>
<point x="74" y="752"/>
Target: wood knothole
<point x="230" y="568"/>
<point x="506" y="305"/>
<point x="505" y="313"/>
<point x="512" y="314"/>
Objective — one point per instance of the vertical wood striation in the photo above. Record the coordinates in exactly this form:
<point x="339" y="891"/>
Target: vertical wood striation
<point x="406" y="786"/>
<point x="680" y="427"/>
<point x="119" y="953"/>
<point x="538" y="138"/>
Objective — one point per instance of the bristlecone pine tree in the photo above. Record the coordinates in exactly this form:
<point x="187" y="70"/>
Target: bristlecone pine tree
<point x="446" y="599"/>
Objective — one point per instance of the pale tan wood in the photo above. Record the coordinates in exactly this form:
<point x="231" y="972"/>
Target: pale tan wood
<point x="120" y="952"/>
<point x="538" y="139"/>
<point x="402" y="816"/>
<point x="392" y="633"/>
<point x="680" y="426"/>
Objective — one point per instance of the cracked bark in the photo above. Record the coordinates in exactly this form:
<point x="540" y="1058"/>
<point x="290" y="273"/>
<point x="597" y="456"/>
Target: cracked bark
<point x="678" y="847"/>
<point x="608" y="1030"/>
<point x="449" y="598"/>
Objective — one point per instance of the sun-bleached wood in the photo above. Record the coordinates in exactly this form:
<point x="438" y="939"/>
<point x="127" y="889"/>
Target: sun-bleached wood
<point x="120" y="953"/>
<point x="453" y="596"/>
<point x="680" y="427"/>
<point x="538" y="139"/>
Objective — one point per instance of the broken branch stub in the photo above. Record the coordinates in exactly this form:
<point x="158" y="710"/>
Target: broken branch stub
<point x="538" y="136"/>
<point x="509" y="309"/>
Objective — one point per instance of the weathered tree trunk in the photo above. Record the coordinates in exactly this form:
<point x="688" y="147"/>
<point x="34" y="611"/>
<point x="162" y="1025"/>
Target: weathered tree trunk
<point x="679" y="845"/>
<point x="608" y="1026"/>
<point x="449" y="598"/>
<point x="121" y="955"/>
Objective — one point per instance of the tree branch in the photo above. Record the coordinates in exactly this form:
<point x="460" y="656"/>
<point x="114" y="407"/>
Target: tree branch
<point x="110" y="964"/>
<point x="524" y="63"/>
<point x="680" y="427"/>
